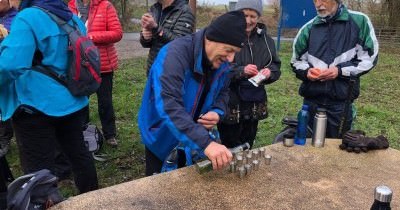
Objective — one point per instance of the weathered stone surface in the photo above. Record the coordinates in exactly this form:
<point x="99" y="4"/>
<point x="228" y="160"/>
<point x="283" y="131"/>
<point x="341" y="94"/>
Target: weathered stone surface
<point x="299" y="177"/>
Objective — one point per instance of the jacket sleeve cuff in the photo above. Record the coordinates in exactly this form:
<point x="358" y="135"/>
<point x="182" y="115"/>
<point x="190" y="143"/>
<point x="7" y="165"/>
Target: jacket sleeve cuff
<point x="219" y="112"/>
<point x="157" y="30"/>
<point x="339" y="70"/>
<point x="205" y="144"/>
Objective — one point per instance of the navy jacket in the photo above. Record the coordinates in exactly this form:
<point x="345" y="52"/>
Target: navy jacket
<point x="172" y="94"/>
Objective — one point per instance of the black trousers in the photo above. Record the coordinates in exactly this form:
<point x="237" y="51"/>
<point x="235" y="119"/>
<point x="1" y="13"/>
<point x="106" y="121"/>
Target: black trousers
<point x="6" y="131"/>
<point x="106" y="109"/>
<point x="334" y="114"/>
<point x="105" y="106"/>
<point x="36" y="134"/>
<point x="233" y="135"/>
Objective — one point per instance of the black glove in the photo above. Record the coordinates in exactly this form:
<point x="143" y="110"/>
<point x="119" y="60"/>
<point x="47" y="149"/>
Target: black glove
<point x="380" y="142"/>
<point x="356" y="141"/>
<point x="352" y="141"/>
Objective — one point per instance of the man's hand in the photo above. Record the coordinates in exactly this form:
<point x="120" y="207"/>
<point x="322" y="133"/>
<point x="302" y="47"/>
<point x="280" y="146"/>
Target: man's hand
<point x="209" y="120"/>
<point x="329" y="74"/>
<point x="266" y="72"/>
<point x="250" y="70"/>
<point x="147" y="35"/>
<point x="148" y="22"/>
<point x="313" y="74"/>
<point x="218" y="154"/>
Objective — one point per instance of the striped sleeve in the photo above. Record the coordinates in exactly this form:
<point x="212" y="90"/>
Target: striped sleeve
<point x="366" y="50"/>
<point x="299" y="61"/>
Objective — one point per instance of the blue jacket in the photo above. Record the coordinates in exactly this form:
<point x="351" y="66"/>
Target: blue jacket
<point x="172" y="93"/>
<point x="19" y="85"/>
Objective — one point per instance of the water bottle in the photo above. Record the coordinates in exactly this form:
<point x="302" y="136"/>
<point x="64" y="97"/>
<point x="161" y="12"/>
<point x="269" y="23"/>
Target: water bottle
<point x="383" y="196"/>
<point x="302" y="122"/>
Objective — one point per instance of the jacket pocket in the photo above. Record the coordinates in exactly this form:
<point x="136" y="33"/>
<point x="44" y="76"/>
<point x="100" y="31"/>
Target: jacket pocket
<point x="162" y="140"/>
<point x="342" y="87"/>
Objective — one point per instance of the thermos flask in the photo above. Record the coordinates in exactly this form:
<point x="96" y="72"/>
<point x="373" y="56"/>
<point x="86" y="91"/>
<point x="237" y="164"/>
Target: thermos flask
<point x="383" y="196"/>
<point x="319" y="128"/>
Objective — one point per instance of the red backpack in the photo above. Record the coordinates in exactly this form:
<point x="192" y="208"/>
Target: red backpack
<point x="83" y="75"/>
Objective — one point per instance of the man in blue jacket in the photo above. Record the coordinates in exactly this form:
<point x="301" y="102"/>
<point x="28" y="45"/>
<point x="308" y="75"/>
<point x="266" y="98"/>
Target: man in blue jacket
<point x="330" y="52"/>
<point x="187" y="93"/>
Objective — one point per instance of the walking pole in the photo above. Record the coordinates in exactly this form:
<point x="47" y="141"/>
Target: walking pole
<point x="343" y="118"/>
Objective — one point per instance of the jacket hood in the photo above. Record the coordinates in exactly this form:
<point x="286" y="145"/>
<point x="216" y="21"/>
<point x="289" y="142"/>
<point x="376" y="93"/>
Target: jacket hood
<point x="57" y="7"/>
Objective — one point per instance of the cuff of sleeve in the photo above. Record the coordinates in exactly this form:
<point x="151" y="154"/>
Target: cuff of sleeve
<point x="306" y="73"/>
<point x="339" y="70"/>
<point x="206" y="143"/>
<point x="157" y="30"/>
<point x="219" y="112"/>
<point x="241" y="73"/>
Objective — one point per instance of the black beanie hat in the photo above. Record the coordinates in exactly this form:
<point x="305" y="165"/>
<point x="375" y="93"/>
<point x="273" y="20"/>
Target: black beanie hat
<point x="229" y="28"/>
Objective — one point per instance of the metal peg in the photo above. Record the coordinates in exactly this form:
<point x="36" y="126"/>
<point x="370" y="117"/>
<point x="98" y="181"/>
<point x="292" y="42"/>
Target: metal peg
<point x="232" y="167"/>
<point x="241" y="172"/>
<point x="248" y="168"/>
<point x="267" y="159"/>
<point x="256" y="165"/>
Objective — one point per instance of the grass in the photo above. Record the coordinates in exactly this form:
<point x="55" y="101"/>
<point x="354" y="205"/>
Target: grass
<point x="377" y="113"/>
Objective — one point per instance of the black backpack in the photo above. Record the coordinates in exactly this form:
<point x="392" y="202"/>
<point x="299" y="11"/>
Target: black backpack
<point x="37" y="190"/>
<point x="83" y="75"/>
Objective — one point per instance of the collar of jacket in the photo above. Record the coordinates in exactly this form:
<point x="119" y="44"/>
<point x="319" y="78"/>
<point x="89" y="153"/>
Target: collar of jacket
<point x="259" y="30"/>
<point x="175" y="5"/>
<point x="198" y="39"/>
<point x="95" y="2"/>
<point x="343" y="16"/>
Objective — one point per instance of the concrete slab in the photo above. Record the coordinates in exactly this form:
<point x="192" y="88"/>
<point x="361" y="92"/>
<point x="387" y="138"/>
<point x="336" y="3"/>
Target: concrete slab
<point x="299" y="177"/>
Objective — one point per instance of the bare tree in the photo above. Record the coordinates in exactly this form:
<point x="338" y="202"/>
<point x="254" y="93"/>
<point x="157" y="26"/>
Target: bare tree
<point x="392" y="7"/>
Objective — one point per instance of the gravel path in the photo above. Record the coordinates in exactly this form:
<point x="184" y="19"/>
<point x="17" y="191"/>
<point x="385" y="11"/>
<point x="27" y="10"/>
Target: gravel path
<point x="130" y="47"/>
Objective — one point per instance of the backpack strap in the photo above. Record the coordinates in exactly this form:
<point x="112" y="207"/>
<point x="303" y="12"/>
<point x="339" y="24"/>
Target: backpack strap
<point x="46" y="71"/>
<point x="43" y="69"/>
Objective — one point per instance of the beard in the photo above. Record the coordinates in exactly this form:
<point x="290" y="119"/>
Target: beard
<point x="322" y="15"/>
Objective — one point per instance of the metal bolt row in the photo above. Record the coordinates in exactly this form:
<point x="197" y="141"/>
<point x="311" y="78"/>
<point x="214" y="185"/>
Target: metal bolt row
<point x="249" y="160"/>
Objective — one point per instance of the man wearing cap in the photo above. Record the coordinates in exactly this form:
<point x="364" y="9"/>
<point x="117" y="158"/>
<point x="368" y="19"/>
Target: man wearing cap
<point x="332" y="49"/>
<point x="187" y="93"/>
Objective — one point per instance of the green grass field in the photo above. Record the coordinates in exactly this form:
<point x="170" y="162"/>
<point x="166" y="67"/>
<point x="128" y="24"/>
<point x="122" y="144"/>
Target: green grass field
<point x="377" y="113"/>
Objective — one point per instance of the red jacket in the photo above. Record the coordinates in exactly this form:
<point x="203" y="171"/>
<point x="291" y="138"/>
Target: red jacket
<point x="104" y="29"/>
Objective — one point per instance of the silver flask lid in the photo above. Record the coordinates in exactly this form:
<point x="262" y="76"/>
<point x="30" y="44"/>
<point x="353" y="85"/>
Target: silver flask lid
<point x="383" y="194"/>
